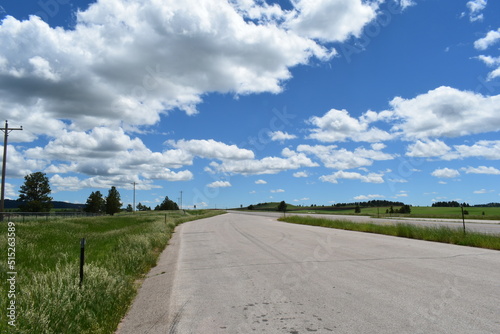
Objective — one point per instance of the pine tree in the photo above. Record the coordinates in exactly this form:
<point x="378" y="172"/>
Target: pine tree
<point x="141" y="207"/>
<point x="167" y="204"/>
<point x="113" y="204"/>
<point x="282" y="206"/>
<point x="95" y="203"/>
<point x="34" y="193"/>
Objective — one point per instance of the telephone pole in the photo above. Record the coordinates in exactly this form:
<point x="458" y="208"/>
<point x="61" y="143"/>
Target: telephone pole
<point x="6" y="131"/>
<point x="133" y="208"/>
<point x="181" y="199"/>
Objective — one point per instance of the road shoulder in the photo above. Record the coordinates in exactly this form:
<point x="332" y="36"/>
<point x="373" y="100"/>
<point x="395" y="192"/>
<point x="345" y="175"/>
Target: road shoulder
<point x="149" y="312"/>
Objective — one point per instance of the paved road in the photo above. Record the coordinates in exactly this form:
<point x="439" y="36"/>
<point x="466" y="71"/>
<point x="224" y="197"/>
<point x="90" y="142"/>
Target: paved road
<point x="483" y="226"/>
<point x="251" y="274"/>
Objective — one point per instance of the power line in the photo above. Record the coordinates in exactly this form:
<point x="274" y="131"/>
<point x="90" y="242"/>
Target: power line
<point x="6" y="131"/>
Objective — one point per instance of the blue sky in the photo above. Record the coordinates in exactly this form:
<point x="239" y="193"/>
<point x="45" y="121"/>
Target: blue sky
<point x="240" y="102"/>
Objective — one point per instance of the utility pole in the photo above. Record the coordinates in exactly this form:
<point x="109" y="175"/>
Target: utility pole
<point x="6" y="131"/>
<point x="133" y="208"/>
<point x="181" y="200"/>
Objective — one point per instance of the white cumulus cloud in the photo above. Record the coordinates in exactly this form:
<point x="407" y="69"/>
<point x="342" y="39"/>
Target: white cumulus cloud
<point x="301" y="174"/>
<point x="130" y="62"/>
<point x="475" y="8"/>
<point x="492" y="37"/>
<point x="281" y="136"/>
<point x="441" y="112"/>
<point x="267" y="165"/>
<point x="367" y="178"/>
<point x="212" y="149"/>
<point x="368" y="197"/>
<point x="341" y="159"/>
<point x="483" y="191"/>
<point x="106" y="154"/>
<point x="481" y="170"/>
<point x="445" y="173"/>
<point x="489" y="60"/>
<point x="485" y="149"/>
<point x="331" y="20"/>
<point x="219" y="184"/>
<point x="428" y="148"/>
<point x="338" y="126"/>
<point x="446" y="112"/>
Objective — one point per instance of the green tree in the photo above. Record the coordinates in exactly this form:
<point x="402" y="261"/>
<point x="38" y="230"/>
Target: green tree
<point x="95" y="203"/>
<point x="113" y="204"/>
<point x="357" y="209"/>
<point x="405" y="209"/>
<point x="167" y="204"/>
<point x="34" y="193"/>
<point x="142" y="207"/>
<point x="282" y="206"/>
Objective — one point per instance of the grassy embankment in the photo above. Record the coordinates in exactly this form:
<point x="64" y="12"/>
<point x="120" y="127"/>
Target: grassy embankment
<point x="420" y="212"/>
<point x="119" y="250"/>
<point x="438" y="234"/>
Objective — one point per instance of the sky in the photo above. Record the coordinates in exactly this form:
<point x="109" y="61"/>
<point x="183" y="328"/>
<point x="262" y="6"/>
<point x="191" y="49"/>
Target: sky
<point x="227" y="103"/>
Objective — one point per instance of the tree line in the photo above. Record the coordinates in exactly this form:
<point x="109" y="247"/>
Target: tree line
<point x="404" y="209"/>
<point x="34" y="196"/>
<point x="96" y="203"/>
<point x="450" y="204"/>
<point x="371" y="204"/>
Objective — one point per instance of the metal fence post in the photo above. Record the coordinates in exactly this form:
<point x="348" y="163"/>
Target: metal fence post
<point x="463" y="216"/>
<point x="82" y="259"/>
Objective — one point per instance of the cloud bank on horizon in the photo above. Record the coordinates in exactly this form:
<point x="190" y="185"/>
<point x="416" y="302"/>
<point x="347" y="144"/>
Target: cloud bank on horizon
<point x="88" y="94"/>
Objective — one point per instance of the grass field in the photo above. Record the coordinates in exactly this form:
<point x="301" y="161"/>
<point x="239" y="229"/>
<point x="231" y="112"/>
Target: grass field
<point x="119" y="250"/>
<point x="438" y="234"/>
<point x="423" y="212"/>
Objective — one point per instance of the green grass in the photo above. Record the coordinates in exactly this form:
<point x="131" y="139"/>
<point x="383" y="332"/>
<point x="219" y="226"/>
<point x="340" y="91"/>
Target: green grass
<point x="474" y="212"/>
<point x="421" y="212"/>
<point x="119" y="250"/>
<point x="438" y="234"/>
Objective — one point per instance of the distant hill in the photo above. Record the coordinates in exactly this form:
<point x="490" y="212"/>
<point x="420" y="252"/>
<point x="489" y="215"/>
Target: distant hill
<point x="372" y="203"/>
<point x="489" y="205"/>
<point x="272" y="206"/>
<point x="12" y="204"/>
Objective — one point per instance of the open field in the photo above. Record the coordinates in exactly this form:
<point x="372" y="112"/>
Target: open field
<point x="438" y="234"/>
<point x="420" y="212"/>
<point x="119" y="250"/>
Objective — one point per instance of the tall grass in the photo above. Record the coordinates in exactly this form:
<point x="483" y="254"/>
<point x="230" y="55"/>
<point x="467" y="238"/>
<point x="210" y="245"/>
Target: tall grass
<point x="438" y="234"/>
<point x="118" y="251"/>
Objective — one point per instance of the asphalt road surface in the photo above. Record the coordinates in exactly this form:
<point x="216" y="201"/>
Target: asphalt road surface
<point x="239" y="273"/>
<point x="476" y="225"/>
